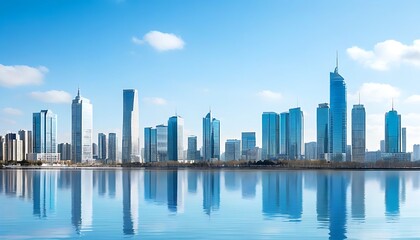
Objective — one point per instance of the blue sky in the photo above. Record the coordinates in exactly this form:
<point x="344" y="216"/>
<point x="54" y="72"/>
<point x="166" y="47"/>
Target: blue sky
<point x="238" y="57"/>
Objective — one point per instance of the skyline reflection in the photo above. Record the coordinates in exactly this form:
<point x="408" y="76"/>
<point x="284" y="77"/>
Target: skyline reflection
<point x="283" y="194"/>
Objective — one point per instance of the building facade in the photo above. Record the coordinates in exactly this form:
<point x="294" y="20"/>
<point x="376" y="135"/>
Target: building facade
<point x="322" y="119"/>
<point x="358" y="133"/>
<point x="162" y="143"/>
<point x="404" y="140"/>
<point x="248" y="145"/>
<point x="311" y="151"/>
<point x="81" y="129"/>
<point x="284" y="134"/>
<point x="44" y="128"/>
<point x="175" y="138"/>
<point x="296" y="134"/>
<point x="64" y="149"/>
<point x="150" y="144"/>
<point x="211" y="138"/>
<point x="392" y="132"/>
<point x="232" y="150"/>
<point x="130" y="133"/>
<point x="112" y="147"/>
<point x="102" y="146"/>
<point x="192" y="148"/>
<point x="270" y="135"/>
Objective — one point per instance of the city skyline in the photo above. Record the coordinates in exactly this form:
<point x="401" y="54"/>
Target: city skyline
<point x="373" y="61"/>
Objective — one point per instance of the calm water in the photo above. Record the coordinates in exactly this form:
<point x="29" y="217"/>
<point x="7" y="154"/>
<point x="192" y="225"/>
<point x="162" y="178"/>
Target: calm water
<point x="195" y="204"/>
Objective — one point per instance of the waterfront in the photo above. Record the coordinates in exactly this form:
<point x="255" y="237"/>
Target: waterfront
<point x="208" y="204"/>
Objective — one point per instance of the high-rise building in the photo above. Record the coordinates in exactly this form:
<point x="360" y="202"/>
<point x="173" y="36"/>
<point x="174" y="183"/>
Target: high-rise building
<point x="392" y="132"/>
<point x="270" y="135"/>
<point x="27" y="143"/>
<point x="248" y="145"/>
<point x="338" y="117"/>
<point x="112" y="147"/>
<point x="358" y="133"/>
<point x="130" y="134"/>
<point x="162" y="143"/>
<point x="310" y="151"/>
<point x="192" y="148"/>
<point x="175" y="138"/>
<point x="2" y="148"/>
<point x="284" y="134"/>
<point x="403" y="140"/>
<point x="95" y="151"/>
<point x="81" y="129"/>
<point x="211" y="138"/>
<point x="64" y="149"/>
<point x="44" y="128"/>
<point x="382" y="146"/>
<point x="150" y="144"/>
<point x="296" y="143"/>
<point x="322" y="119"/>
<point x="416" y="152"/>
<point x="102" y="146"/>
<point x="12" y="148"/>
<point x="232" y="150"/>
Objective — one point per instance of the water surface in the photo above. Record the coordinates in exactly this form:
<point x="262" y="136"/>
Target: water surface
<point x="209" y="204"/>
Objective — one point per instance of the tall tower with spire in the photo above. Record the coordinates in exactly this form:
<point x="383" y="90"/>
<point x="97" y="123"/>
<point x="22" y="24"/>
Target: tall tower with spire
<point x="338" y="116"/>
<point x="81" y="129"/>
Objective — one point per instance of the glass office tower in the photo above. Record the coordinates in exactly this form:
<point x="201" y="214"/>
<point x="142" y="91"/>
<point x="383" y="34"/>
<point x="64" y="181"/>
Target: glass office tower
<point x="162" y="143"/>
<point x="175" y="138"/>
<point x="112" y="147"/>
<point x="322" y="119"/>
<point x="81" y="129"/>
<point x="130" y="134"/>
<point x="211" y="138"/>
<point x="338" y="117"/>
<point x="215" y="138"/>
<point x="392" y="132"/>
<point x="248" y="144"/>
<point x="270" y="135"/>
<point x="192" y="148"/>
<point x="296" y="141"/>
<point x="358" y="133"/>
<point x="284" y="134"/>
<point x="102" y="146"/>
<point x="232" y="150"/>
<point x="44" y="132"/>
<point x="150" y="144"/>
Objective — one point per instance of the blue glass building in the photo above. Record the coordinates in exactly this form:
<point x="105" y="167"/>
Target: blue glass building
<point x="44" y="132"/>
<point x="322" y="119"/>
<point x="192" y="148"/>
<point x="150" y="144"/>
<point x="232" y="150"/>
<point x="270" y="135"/>
<point x="248" y="144"/>
<point x="211" y="138"/>
<point x="392" y="132"/>
<point x="358" y="133"/>
<point x="338" y="117"/>
<point x="175" y="138"/>
<point x="296" y="141"/>
<point x="130" y="133"/>
<point x="81" y="129"/>
<point x="102" y="146"/>
<point x="112" y="147"/>
<point x="284" y="133"/>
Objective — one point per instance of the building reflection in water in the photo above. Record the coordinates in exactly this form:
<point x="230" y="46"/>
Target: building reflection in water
<point x="282" y="194"/>
<point x="211" y="191"/>
<point x="44" y="192"/>
<point x="392" y="194"/>
<point x="192" y="181"/>
<point x="81" y="202"/>
<point x="172" y="183"/>
<point x="358" y="195"/>
<point x="232" y="180"/>
<point x="130" y="194"/>
<point x="249" y="182"/>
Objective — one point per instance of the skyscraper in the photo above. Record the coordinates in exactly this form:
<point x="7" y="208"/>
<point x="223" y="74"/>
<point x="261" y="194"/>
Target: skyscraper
<point x="403" y="140"/>
<point x="175" y="138"/>
<point x="150" y="144"/>
<point x="81" y="129"/>
<point x="44" y="136"/>
<point x="27" y="142"/>
<point x="392" y="132"/>
<point x="102" y="148"/>
<point x="211" y="138"/>
<point x="248" y="144"/>
<point x="310" y="151"/>
<point x="284" y="134"/>
<point x="296" y="143"/>
<point x="112" y="147"/>
<point x="192" y="148"/>
<point x="270" y="135"/>
<point x="232" y="150"/>
<point x="358" y="133"/>
<point x="162" y="143"/>
<point x="322" y="119"/>
<point x="338" y="116"/>
<point x="65" y="151"/>
<point x="130" y="134"/>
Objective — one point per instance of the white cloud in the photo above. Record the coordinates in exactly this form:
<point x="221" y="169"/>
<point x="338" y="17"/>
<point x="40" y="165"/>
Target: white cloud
<point x="376" y="92"/>
<point x="12" y="111"/>
<point x="53" y="96"/>
<point x="155" y="100"/>
<point x="268" y="95"/>
<point x="413" y="99"/>
<point x="20" y="75"/>
<point x="387" y="54"/>
<point x="160" y="41"/>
